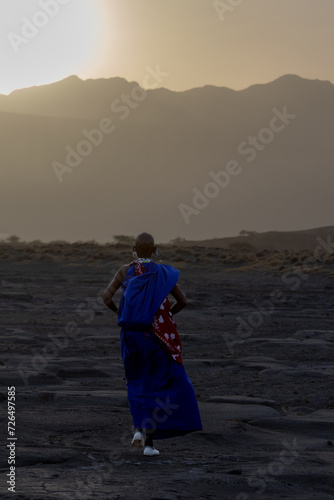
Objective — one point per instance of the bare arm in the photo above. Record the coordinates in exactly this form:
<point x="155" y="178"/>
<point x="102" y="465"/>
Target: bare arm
<point x="180" y="298"/>
<point x="112" y="288"/>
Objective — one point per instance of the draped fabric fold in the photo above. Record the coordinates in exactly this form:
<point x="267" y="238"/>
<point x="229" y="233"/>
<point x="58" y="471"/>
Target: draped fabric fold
<point x="161" y="397"/>
<point x="143" y="293"/>
<point x="145" y="306"/>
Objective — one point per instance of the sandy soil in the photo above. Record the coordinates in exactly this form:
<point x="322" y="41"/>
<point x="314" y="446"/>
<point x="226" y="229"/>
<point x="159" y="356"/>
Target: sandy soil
<point x="265" y="389"/>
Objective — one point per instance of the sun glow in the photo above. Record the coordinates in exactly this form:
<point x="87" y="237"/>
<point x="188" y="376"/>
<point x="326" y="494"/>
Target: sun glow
<point x="46" y="40"/>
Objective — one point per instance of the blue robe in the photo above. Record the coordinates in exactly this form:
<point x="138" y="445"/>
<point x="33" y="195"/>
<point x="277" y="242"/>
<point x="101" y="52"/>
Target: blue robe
<point x="160" y="393"/>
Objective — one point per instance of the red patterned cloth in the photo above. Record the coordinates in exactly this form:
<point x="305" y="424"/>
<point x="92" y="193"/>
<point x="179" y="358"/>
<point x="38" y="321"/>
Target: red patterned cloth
<point x="164" y="327"/>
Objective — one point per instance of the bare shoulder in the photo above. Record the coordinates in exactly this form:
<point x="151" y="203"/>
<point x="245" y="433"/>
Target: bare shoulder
<point x="121" y="273"/>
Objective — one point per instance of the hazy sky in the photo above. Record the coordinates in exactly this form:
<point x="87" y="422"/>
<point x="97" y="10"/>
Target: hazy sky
<point x="235" y="44"/>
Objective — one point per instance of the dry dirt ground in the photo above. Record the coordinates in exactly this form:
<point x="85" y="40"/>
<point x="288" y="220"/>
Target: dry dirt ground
<point x="258" y="344"/>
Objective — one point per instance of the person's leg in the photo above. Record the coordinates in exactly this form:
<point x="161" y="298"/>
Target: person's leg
<point x="149" y="448"/>
<point x="149" y="440"/>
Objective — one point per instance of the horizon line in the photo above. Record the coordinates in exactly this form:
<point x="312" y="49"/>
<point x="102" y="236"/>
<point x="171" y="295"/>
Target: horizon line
<point x="180" y="238"/>
<point x="165" y="88"/>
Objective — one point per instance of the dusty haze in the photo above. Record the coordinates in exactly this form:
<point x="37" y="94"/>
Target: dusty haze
<point x="158" y="148"/>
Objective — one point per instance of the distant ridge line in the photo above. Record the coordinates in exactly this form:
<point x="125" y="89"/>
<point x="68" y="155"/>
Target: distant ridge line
<point x="298" y="240"/>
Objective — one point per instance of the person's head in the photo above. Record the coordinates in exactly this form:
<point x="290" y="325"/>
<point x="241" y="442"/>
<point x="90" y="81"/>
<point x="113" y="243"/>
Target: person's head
<point x="144" y="245"/>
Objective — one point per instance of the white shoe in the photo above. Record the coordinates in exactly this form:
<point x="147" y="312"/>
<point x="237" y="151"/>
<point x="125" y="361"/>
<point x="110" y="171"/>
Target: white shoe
<point x="150" y="451"/>
<point x="138" y="439"/>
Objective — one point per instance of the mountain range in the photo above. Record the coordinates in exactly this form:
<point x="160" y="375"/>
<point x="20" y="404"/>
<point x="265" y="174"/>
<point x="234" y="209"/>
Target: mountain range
<point x="84" y="160"/>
